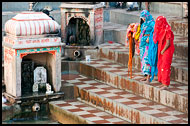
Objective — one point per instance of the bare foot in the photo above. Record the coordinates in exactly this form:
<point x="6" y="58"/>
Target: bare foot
<point x="161" y="86"/>
<point x="147" y="81"/>
<point x="144" y="79"/>
<point x="164" y="87"/>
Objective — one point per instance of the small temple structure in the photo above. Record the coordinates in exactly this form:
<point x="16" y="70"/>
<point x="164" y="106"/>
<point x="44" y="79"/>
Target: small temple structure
<point x="31" y="41"/>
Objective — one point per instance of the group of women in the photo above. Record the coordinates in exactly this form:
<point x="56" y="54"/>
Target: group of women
<point x="154" y="42"/>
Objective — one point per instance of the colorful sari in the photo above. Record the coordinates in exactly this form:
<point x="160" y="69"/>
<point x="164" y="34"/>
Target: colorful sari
<point x="153" y="56"/>
<point x="162" y="33"/>
<point x="131" y="40"/>
<point x="147" y="28"/>
<point x="136" y="37"/>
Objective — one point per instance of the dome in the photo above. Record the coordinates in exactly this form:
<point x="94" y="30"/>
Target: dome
<point x="31" y="23"/>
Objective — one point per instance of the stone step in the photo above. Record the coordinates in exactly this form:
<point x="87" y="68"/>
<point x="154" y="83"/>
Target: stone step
<point x="123" y="104"/>
<point x="179" y="26"/>
<point x="114" y="32"/>
<point x="181" y="47"/>
<point x="121" y="16"/>
<point x="77" y="112"/>
<point x="176" y="96"/>
<point x="166" y="7"/>
<point x="117" y="33"/>
<point x="117" y="53"/>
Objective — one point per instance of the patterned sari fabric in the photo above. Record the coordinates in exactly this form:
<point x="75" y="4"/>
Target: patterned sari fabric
<point x="162" y="33"/>
<point x="147" y="28"/>
<point x="137" y="40"/>
<point x="153" y="56"/>
<point x="130" y="38"/>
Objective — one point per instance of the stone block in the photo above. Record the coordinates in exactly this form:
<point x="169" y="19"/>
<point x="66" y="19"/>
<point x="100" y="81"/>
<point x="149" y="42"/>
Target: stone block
<point x="106" y="15"/>
<point x="135" y="86"/>
<point x="68" y="90"/>
<point x="64" y="116"/>
<point x="93" y="53"/>
<point x="108" y="35"/>
<point x="109" y="52"/>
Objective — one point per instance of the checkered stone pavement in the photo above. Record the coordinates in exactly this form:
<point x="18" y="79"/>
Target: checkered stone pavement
<point x="87" y="112"/>
<point x="116" y="75"/>
<point x="121" y="48"/>
<point x="179" y="67"/>
<point x="175" y="87"/>
<point x="130" y="100"/>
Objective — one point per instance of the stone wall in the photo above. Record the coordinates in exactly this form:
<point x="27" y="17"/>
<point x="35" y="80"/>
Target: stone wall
<point x="172" y="8"/>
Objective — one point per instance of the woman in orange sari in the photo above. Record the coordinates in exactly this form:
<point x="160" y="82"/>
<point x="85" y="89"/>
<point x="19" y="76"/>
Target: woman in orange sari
<point x="132" y="39"/>
<point x="164" y="36"/>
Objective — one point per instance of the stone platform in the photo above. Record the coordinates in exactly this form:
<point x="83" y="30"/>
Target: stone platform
<point x="103" y="84"/>
<point x="115" y="53"/>
<point x="117" y="33"/>
<point x="77" y="112"/>
<point x="117" y="76"/>
<point x="121" y="103"/>
<point x="121" y="16"/>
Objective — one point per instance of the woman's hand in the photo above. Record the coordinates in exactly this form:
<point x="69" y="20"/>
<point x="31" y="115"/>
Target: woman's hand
<point x="162" y="52"/>
<point x="166" y="46"/>
<point x="147" y="40"/>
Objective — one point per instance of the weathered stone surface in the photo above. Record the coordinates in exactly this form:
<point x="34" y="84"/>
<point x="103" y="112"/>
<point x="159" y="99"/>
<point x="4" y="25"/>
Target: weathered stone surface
<point x="117" y="53"/>
<point x="68" y="90"/>
<point x="82" y="113"/>
<point x="40" y="75"/>
<point x="20" y="25"/>
<point x="119" y="78"/>
<point x="126" y="105"/>
<point x="118" y="35"/>
<point x="18" y="45"/>
<point x="9" y="111"/>
<point x="92" y="14"/>
<point x="64" y="116"/>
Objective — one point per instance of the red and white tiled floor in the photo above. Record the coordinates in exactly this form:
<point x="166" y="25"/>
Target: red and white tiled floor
<point x="91" y="114"/>
<point x="176" y="87"/>
<point x="127" y="99"/>
<point x="180" y="65"/>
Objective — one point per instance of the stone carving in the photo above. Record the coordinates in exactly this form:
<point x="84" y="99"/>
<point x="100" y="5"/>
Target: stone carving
<point x="78" y="32"/>
<point x="40" y="75"/>
<point x="48" y="89"/>
<point x="35" y="87"/>
<point x="40" y="80"/>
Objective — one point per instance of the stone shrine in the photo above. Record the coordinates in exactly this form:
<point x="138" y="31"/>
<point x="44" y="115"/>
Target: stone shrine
<point x="31" y="40"/>
<point x="82" y="23"/>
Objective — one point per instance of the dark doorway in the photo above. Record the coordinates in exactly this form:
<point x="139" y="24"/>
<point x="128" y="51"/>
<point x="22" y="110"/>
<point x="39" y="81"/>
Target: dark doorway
<point x="28" y="65"/>
<point x="78" y="32"/>
<point x="27" y="77"/>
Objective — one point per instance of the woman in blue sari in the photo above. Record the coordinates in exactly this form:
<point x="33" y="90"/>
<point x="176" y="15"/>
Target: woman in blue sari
<point x="147" y="29"/>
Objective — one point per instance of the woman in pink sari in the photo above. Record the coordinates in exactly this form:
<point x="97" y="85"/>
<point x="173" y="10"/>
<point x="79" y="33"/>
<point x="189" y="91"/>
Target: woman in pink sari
<point x="164" y="36"/>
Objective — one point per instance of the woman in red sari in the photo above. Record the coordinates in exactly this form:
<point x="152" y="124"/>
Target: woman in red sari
<point x="164" y="36"/>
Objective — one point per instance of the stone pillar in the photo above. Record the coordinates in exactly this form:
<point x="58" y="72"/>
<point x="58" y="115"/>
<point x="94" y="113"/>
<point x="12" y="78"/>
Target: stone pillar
<point x="18" y="75"/>
<point x="185" y="6"/>
<point x="98" y="21"/>
<point x="92" y="24"/>
<point x="57" y="85"/>
<point x="63" y="25"/>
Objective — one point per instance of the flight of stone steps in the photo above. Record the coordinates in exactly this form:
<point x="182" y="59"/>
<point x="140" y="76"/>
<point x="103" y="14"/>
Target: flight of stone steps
<point x="105" y="86"/>
<point x="104" y="83"/>
<point x="105" y="94"/>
